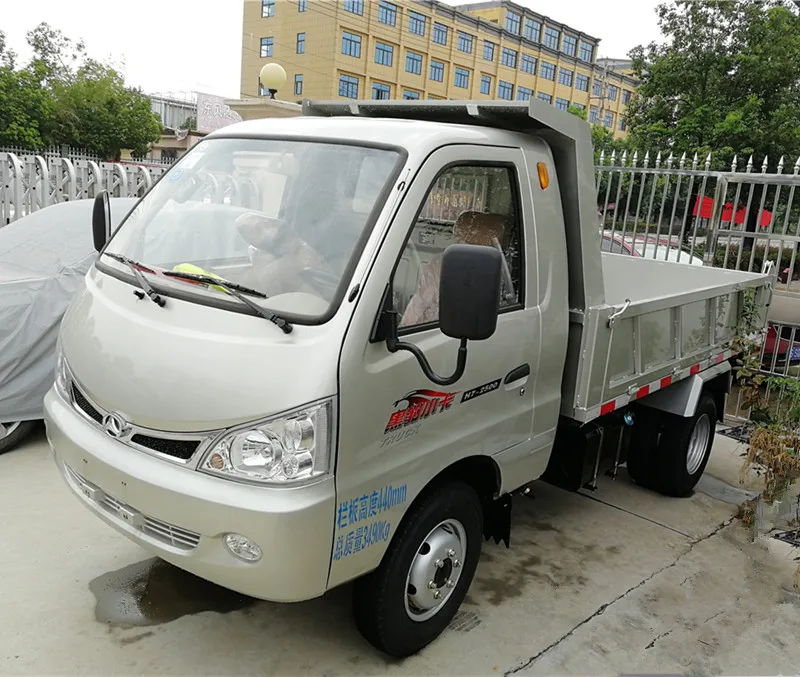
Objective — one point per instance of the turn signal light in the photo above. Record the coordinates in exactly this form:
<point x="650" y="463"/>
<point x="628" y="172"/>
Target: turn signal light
<point x="544" y="177"/>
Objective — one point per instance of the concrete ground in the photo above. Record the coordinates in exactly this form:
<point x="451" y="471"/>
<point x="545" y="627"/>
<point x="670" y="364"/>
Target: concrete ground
<point x="621" y="582"/>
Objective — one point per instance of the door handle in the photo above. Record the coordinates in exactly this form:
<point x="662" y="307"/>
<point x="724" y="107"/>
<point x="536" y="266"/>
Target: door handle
<point x="518" y="374"/>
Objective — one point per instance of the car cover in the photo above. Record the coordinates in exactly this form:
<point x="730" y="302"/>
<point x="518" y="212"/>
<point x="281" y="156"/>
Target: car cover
<point x="44" y="258"/>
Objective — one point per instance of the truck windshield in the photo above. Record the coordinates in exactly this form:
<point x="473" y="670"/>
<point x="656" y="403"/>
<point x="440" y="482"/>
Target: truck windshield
<point x="282" y="217"/>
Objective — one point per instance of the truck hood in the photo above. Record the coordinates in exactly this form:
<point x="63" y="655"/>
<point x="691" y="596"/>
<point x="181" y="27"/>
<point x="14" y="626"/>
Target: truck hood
<point x="189" y="367"/>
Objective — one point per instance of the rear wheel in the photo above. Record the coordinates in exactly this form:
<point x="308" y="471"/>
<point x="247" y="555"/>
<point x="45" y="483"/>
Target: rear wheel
<point x="413" y="595"/>
<point x="11" y="434"/>
<point x="673" y="464"/>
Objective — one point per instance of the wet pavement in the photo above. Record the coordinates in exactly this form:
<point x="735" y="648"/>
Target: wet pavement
<point x="619" y="582"/>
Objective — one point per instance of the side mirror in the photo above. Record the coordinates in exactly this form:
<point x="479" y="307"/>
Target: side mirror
<point x="469" y="302"/>
<point x="469" y="291"/>
<point x="101" y="220"/>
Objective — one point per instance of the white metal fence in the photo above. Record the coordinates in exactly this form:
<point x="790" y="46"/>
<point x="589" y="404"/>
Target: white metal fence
<point x="30" y="182"/>
<point x="680" y="209"/>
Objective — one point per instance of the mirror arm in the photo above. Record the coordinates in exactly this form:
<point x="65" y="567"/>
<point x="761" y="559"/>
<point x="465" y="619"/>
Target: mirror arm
<point x="394" y="345"/>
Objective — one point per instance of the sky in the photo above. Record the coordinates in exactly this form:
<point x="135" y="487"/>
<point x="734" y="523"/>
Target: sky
<point x="174" y="46"/>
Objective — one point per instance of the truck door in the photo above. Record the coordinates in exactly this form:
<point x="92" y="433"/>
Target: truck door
<point x="397" y="428"/>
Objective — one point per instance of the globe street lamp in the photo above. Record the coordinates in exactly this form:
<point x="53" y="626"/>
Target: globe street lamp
<point x="272" y="78"/>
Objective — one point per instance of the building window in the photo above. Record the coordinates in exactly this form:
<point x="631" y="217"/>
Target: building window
<point x="613" y="92"/>
<point x="547" y="98"/>
<point x="626" y="96"/>
<point x="582" y="106"/>
<point x="597" y="88"/>
<point x="302" y="5"/>
<point x="384" y="54"/>
<point x="298" y="85"/>
<point x="547" y="70"/>
<point x="301" y="43"/>
<point x="488" y="50"/>
<point x="381" y="91"/>
<point x="569" y="45"/>
<point x="527" y="64"/>
<point x="348" y="86"/>
<point x="524" y="94"/>
<point x="267" y="8"/>
<point x="533" y="30"/>
<point x="512" y="22"/>
<point x="387" y="13"/>
<point x="593" y="115"/>
<point x="505" y="90"/>
<point x="508" y="57"/>
<point x="354" y="6"/>
<point x="440" y="34"/>
<point x="464" y="42"/>
<point x="437" y="71"/>
<point x="413" y="63"/>
<point x="551" y="37"/>
<point x="461" y="78"/>
<point x="609" y="120"/>
<point x="582" y="82"/>
<point x="622" y="125"/>
<point x="562" y="104"/>
<point x="486" y="84"/>
<point x="565" y="76"/>
<point x="586" y="52"/>
<point x="416" y="23"/>
<point x="267" y="45"/>
<point x="351" y="45"/>
<point x="409" y="95"/>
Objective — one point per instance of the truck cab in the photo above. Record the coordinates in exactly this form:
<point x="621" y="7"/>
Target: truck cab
<point x="330" y="348"/>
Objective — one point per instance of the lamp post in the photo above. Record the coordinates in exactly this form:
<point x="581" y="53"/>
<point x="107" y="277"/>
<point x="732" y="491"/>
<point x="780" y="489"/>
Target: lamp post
<point x="272" y="77"/>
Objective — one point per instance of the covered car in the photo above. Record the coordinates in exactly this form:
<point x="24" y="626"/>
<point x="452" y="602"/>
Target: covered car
<point x="44" y="258"/>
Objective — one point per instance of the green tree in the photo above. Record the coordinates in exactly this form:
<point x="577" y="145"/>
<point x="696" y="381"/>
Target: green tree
<point x="26" y="106"/>
<point x="726" y="79"/>
<point x="64" y="97"/>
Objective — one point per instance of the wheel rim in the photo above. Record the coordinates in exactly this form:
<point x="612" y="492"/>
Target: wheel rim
<point x="7" y="428"/>
<point x="698" y="444"/>
<point x="435" y="570"/>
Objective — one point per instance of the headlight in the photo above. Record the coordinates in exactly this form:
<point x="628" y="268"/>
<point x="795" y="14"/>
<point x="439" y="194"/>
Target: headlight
<point x="62" y="375"/>
<point x="287" y="448"/>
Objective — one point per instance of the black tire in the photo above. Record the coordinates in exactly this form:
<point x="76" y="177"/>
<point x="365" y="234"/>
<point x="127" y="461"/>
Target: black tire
<point x="674" y="477"/>
<point x="380" y="598"/>
<point x="662" y="464"/>
<point x="12" y="439"/>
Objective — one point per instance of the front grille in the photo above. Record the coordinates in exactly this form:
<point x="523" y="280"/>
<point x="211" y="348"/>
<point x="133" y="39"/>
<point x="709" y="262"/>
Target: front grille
<point x="84" y="405"/>
<point x="182" y="449"/>
<point x="160" y="530"/>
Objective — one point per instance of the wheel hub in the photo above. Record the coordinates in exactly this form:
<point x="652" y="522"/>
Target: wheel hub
<point x="7" y="428"/>
<point x="435" y="570"/>
<point x="698" y="443"/>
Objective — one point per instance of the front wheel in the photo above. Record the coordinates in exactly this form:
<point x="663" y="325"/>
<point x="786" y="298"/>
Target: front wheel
<point x="413" y="595"/>
<point x="11" y="434"/>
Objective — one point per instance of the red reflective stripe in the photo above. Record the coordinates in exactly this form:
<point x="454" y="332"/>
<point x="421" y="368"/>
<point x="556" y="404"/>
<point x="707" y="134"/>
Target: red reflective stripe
<point x="720" y="358"/>
<point x="643" y="392"/>
<point x="608" y="407"/>
<point x="695" y="369"/>
<point x="666" y="381"/>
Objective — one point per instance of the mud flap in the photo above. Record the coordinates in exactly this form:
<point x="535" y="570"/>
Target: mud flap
<point x="497" y="520"/>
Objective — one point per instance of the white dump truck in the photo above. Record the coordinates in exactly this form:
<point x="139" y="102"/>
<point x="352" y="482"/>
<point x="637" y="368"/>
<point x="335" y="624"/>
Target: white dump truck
<point x="331" y="348"/>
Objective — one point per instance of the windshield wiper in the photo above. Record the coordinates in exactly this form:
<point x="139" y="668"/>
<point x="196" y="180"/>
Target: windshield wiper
<point x="239" y="292"/>
<point x="140" y="279"/>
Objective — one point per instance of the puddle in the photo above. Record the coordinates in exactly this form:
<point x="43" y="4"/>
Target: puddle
<point x="153" y="592"/>
<point x="722" y="491"/>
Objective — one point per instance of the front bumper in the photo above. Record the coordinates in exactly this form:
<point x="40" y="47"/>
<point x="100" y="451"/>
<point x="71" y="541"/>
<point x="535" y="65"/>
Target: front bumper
<point x="182" y="515"/>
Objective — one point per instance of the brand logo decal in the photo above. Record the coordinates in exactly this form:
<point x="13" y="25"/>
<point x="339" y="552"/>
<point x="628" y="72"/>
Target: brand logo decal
<point x="418" y="405"/>
<point x="115" y="425"/>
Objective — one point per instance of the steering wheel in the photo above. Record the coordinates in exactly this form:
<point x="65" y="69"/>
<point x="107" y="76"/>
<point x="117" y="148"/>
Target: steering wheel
<point x="321" y="280"/>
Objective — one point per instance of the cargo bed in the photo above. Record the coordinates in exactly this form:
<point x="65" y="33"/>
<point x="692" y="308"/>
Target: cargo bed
<point x="661" y="322"/>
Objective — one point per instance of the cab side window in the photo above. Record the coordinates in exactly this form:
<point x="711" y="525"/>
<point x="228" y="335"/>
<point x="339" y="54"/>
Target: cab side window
<point x="469" y="204"/>
<point x="612" y="246"/>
